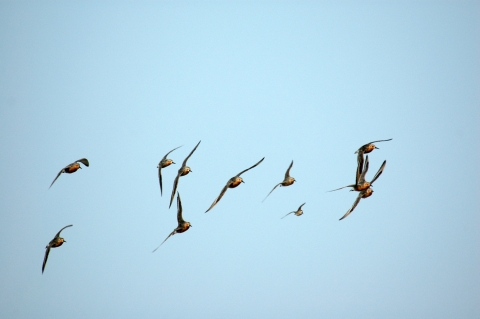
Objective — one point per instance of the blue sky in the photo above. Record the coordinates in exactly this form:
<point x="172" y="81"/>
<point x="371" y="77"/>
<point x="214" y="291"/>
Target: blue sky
<point x="122" y="84"/>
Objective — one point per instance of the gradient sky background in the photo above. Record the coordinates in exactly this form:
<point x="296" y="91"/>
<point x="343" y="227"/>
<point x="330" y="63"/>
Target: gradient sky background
<point x="310" y="81"/>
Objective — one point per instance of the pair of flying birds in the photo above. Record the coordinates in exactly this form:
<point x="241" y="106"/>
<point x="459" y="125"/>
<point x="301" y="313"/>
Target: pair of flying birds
<point x="361" y="185"/>
<point x="58" y="241"/>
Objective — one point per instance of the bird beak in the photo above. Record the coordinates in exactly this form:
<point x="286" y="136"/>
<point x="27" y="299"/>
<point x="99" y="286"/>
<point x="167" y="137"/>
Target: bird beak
<point x="243" y="182"/>
<point x="173" y="162"/>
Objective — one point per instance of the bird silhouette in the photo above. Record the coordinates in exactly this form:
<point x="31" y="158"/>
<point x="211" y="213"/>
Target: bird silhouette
<point x="232" y="183"/>
<point x="183" y="226"/>
<point x="287" y="181"/>
<point x="367" y="148"/>
<point x="72" y="168"/>
<point x="184" y="170"/>
<point x="57" y="241"/>
<point x="297" y="212"/>
<point x="162" y="164"/>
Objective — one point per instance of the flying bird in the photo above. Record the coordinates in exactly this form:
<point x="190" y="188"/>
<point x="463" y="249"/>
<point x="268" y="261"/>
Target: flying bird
<point x="164" y="163"/>
<point x="286" y="182"/>
<point x="367" y="148"/>
<point x="184" y="170"/>
<point x="71" y="168"/>
<point x="57" y="241"/>
<point x="232" y="183"/>
<point x="366" y="192"/>
<point x="183" y="226"/>
<point x="297" y="212"/>
<point x="360" y="182"/>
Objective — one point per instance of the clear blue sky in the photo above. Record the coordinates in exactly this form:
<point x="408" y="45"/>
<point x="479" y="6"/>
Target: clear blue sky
<point x="123" y="83"/>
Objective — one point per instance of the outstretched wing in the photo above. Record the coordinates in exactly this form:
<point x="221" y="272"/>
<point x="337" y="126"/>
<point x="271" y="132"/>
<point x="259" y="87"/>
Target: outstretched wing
<point x="58" y="234"/>
<point x="271" y="192"/>
<point x="59" y="173"/>
<point x="341" y="188"/>
<point x="160" y="178"/>
<point x="380" y="171"/>
<point x="359" y="167"/>
<point x="359" y="197"/>
<point x="219" y="196"/>
<point x="300" y="207"/>
<point x="287" y="215"/>
<point x="185" y="161"/>
<point x="361" y="179"/>
<point x="179" y="210"/>
<point x="84" y="161"/>
<point x="175" y="184"/>
<point x="250" y="167"/>
<point x="170" y="152"/>
<point x="379" y="141"/>
<point x="171" y="234"/>
<point x="45" y="258"/>
<point x="287" y="174"/>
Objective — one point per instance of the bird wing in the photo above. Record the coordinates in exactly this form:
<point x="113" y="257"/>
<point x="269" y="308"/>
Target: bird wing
<point x="361" y="179"/>
<point x="220" y="196"/>
<point x="170" y="152"/>
<point x="179" y="210"/>
<point x="58" y="234"/>
<point x="380" y="171"/>
<point x="186" y="159"/>
<point x="359" y="167"/>
<point x="271" y="192"/>
<point x="300" y="207"/>
<point x="45" y="258"/>
<point x="341" y="188"/>
<point x="160" y="178"/>
<point x="359" y="197"/>
<point x="171" y="234"/>
<point x="287" y="174"/>
<point x="84" y="161"/>
<point x="379" y="141"/>
<point x="59" y="173"/>
<point x="175" y="184"/>
<point x="287" y="215"/>
<point x="250" y="167"/>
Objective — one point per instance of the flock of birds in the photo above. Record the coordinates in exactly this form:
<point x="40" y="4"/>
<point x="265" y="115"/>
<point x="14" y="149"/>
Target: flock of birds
<point x="361" y="185"/>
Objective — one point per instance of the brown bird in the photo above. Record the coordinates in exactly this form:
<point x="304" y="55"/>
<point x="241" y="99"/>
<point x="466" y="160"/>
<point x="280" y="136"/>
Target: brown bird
<point x="360" y="182"/>
<point x="183" y="226"/>
<point x="57" y="241"/>
<point x="184" y="170"/>
<point x="367" y="148"/>
<point x="232" y="183"/>
<point x="71" y="168"/>
<point x="366" y="192"/>
<point x="286" y="182"/>
<point x="164" y="163"/>
<point x="297" y="212"/>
